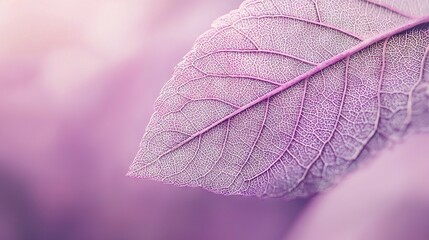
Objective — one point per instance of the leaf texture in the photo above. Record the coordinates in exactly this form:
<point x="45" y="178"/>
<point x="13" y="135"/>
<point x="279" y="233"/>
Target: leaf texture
<point x="281" y="98"/>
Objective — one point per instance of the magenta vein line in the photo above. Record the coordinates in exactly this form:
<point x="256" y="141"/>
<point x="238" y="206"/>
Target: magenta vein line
<point x="230" y="76"/>
<point x="316" y="6"/>
<point x="390" y="8"/>
<point x="258" y="51"/>
<point x="420" y="79"/>
<point x="300" y="115"/>
<point x="233" y="105"/>
<point x="221" y="152"/>
<point x="225" y="76"/>
<point x="267" y="107"/>
<point x="380" y="87"/>
<point x="221" y="30"/>
<point x="275" y="6"/>
<point x="343" y="97"/>
<point x="308" y="74"/>
<point x="188" y="163"/>
<point x="307" y="21"/>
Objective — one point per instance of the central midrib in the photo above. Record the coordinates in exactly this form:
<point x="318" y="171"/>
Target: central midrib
<point x="364" y="44"/>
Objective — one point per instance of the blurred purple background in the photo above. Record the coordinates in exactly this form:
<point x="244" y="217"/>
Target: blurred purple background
<point x="77" y="83"/>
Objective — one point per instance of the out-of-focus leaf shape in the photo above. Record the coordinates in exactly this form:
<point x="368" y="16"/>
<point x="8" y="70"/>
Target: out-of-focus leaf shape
<point x="283" y="97"/>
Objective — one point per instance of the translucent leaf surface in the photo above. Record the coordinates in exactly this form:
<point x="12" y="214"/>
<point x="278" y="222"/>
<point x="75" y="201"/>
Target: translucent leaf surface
<point x="282" y="97"/>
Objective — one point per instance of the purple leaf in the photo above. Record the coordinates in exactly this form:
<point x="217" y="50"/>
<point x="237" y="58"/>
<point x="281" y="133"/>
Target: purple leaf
<point x="281" y="98"/>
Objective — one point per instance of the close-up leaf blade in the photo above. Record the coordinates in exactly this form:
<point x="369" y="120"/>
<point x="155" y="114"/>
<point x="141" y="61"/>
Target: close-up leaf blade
<point x="281" y="98"/>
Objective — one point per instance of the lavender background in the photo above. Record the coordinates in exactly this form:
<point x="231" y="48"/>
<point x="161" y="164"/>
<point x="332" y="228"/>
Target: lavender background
<point x="77" y="83"/>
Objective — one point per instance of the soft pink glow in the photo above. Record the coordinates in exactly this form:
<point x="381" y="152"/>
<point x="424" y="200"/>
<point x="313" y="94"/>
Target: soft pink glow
<point x="77" y="83"/>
